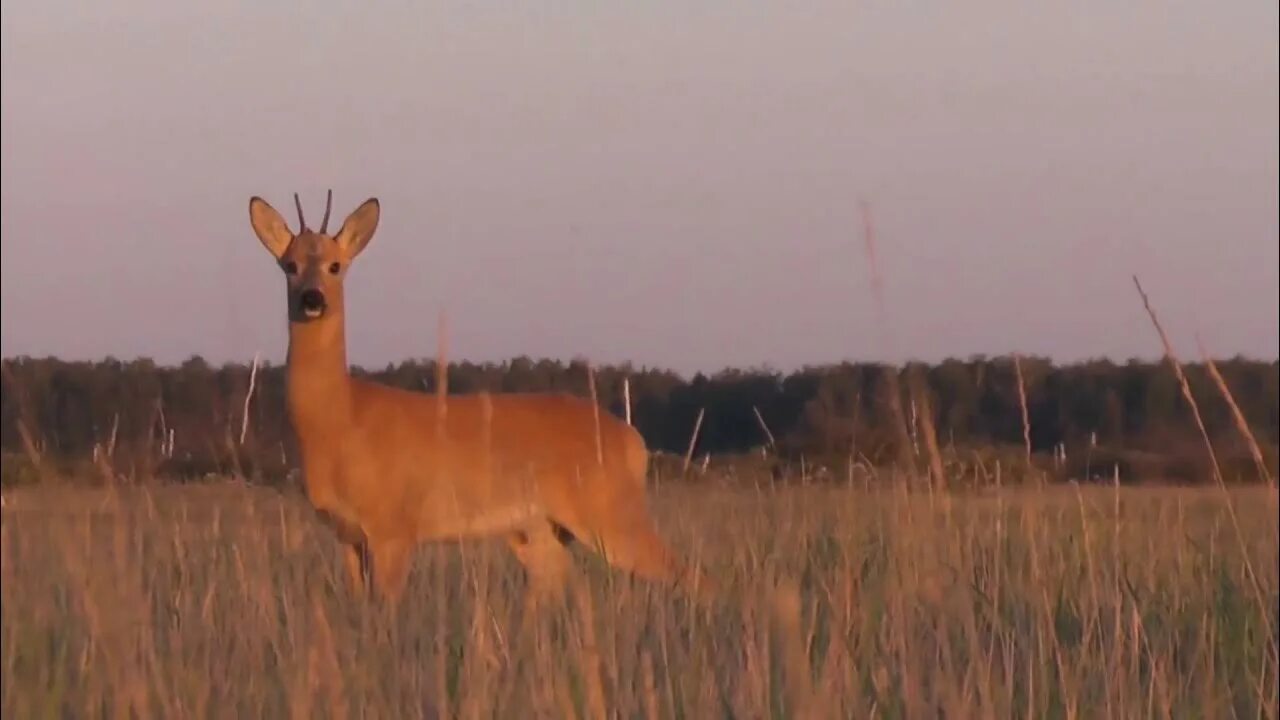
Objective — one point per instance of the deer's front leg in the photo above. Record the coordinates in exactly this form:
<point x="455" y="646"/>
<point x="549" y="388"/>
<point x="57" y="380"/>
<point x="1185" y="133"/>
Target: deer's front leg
<point x="391" y="558"/>
<point x="356" y="558"/>
<point x="355" y="550"/>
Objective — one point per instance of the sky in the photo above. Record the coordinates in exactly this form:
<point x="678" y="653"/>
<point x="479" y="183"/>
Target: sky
<point x="668" y="183"/>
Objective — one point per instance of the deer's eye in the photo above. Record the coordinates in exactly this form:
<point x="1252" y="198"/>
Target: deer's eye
<point x="291" y="268"/>
<point x="334" y="268"/>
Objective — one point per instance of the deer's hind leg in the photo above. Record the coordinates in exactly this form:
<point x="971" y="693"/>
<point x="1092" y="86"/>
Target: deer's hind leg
<point x="542" y="552"/>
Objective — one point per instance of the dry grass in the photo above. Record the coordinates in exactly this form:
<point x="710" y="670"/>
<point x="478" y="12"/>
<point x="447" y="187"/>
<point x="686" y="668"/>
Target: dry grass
<point x="229" y="601"/>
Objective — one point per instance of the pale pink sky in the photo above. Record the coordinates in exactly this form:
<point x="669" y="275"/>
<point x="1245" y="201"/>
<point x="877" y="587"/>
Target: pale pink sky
<point x="664" y="182"/>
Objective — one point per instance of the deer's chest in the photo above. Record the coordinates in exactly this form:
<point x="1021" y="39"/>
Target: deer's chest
<point x="335" y="498"/>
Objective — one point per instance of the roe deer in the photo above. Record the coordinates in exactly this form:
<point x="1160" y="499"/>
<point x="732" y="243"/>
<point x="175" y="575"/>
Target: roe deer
<point x="387" y="468"/>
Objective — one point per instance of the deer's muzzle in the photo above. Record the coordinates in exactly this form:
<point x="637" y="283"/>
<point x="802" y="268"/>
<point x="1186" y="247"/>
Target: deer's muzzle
<point x="312" y="303"/>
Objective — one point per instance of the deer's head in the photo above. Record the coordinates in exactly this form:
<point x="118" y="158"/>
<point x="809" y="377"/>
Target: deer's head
<point x="314" y="262"/>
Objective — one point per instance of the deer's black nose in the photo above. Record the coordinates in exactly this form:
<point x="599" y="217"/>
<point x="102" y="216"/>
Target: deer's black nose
<point x="311" y="300"/>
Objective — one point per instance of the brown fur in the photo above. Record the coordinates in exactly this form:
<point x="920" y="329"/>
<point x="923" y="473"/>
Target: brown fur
<point x="386" y="471"/>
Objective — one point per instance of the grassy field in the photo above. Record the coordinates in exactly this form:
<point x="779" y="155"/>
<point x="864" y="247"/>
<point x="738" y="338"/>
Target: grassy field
<point x="229" y="601"/>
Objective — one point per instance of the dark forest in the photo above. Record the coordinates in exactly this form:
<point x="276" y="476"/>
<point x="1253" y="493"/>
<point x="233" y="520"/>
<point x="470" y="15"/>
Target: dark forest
<point x="1102" y="418"/>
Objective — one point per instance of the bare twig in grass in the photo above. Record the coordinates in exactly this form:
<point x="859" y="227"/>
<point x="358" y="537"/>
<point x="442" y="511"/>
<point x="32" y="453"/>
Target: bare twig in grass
<point x="595" y="413"/>
<point x="248" y="398"/>
<point x="626" y="398"/>
<point x="1242" y="424"/>
<point x="763" y="426"/>
<point x="1022" y="402"/>
<point x="165" y="432"/>
<point x="115" y="434"/>
<point x="1217" y="470"/>
<point x="693" y="439"/>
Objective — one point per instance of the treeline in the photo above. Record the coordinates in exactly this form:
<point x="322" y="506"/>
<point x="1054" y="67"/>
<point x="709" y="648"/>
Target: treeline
<point x="189" y="420"/>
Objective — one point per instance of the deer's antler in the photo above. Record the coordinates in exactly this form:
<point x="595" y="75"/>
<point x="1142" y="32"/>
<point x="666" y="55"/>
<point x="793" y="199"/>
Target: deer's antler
<point x="302" y="221"/>
<point x="328" y="205"/>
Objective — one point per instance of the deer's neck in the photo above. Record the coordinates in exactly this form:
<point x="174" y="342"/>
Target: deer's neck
<point x="319" y="386"/>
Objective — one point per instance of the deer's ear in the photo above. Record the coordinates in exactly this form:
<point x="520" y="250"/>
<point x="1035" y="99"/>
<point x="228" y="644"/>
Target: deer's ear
<point x="357" y="230"/>
<point x="270" y="228"/>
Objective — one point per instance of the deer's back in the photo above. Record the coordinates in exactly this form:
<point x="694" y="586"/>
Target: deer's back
<point x="499" y="456"/>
